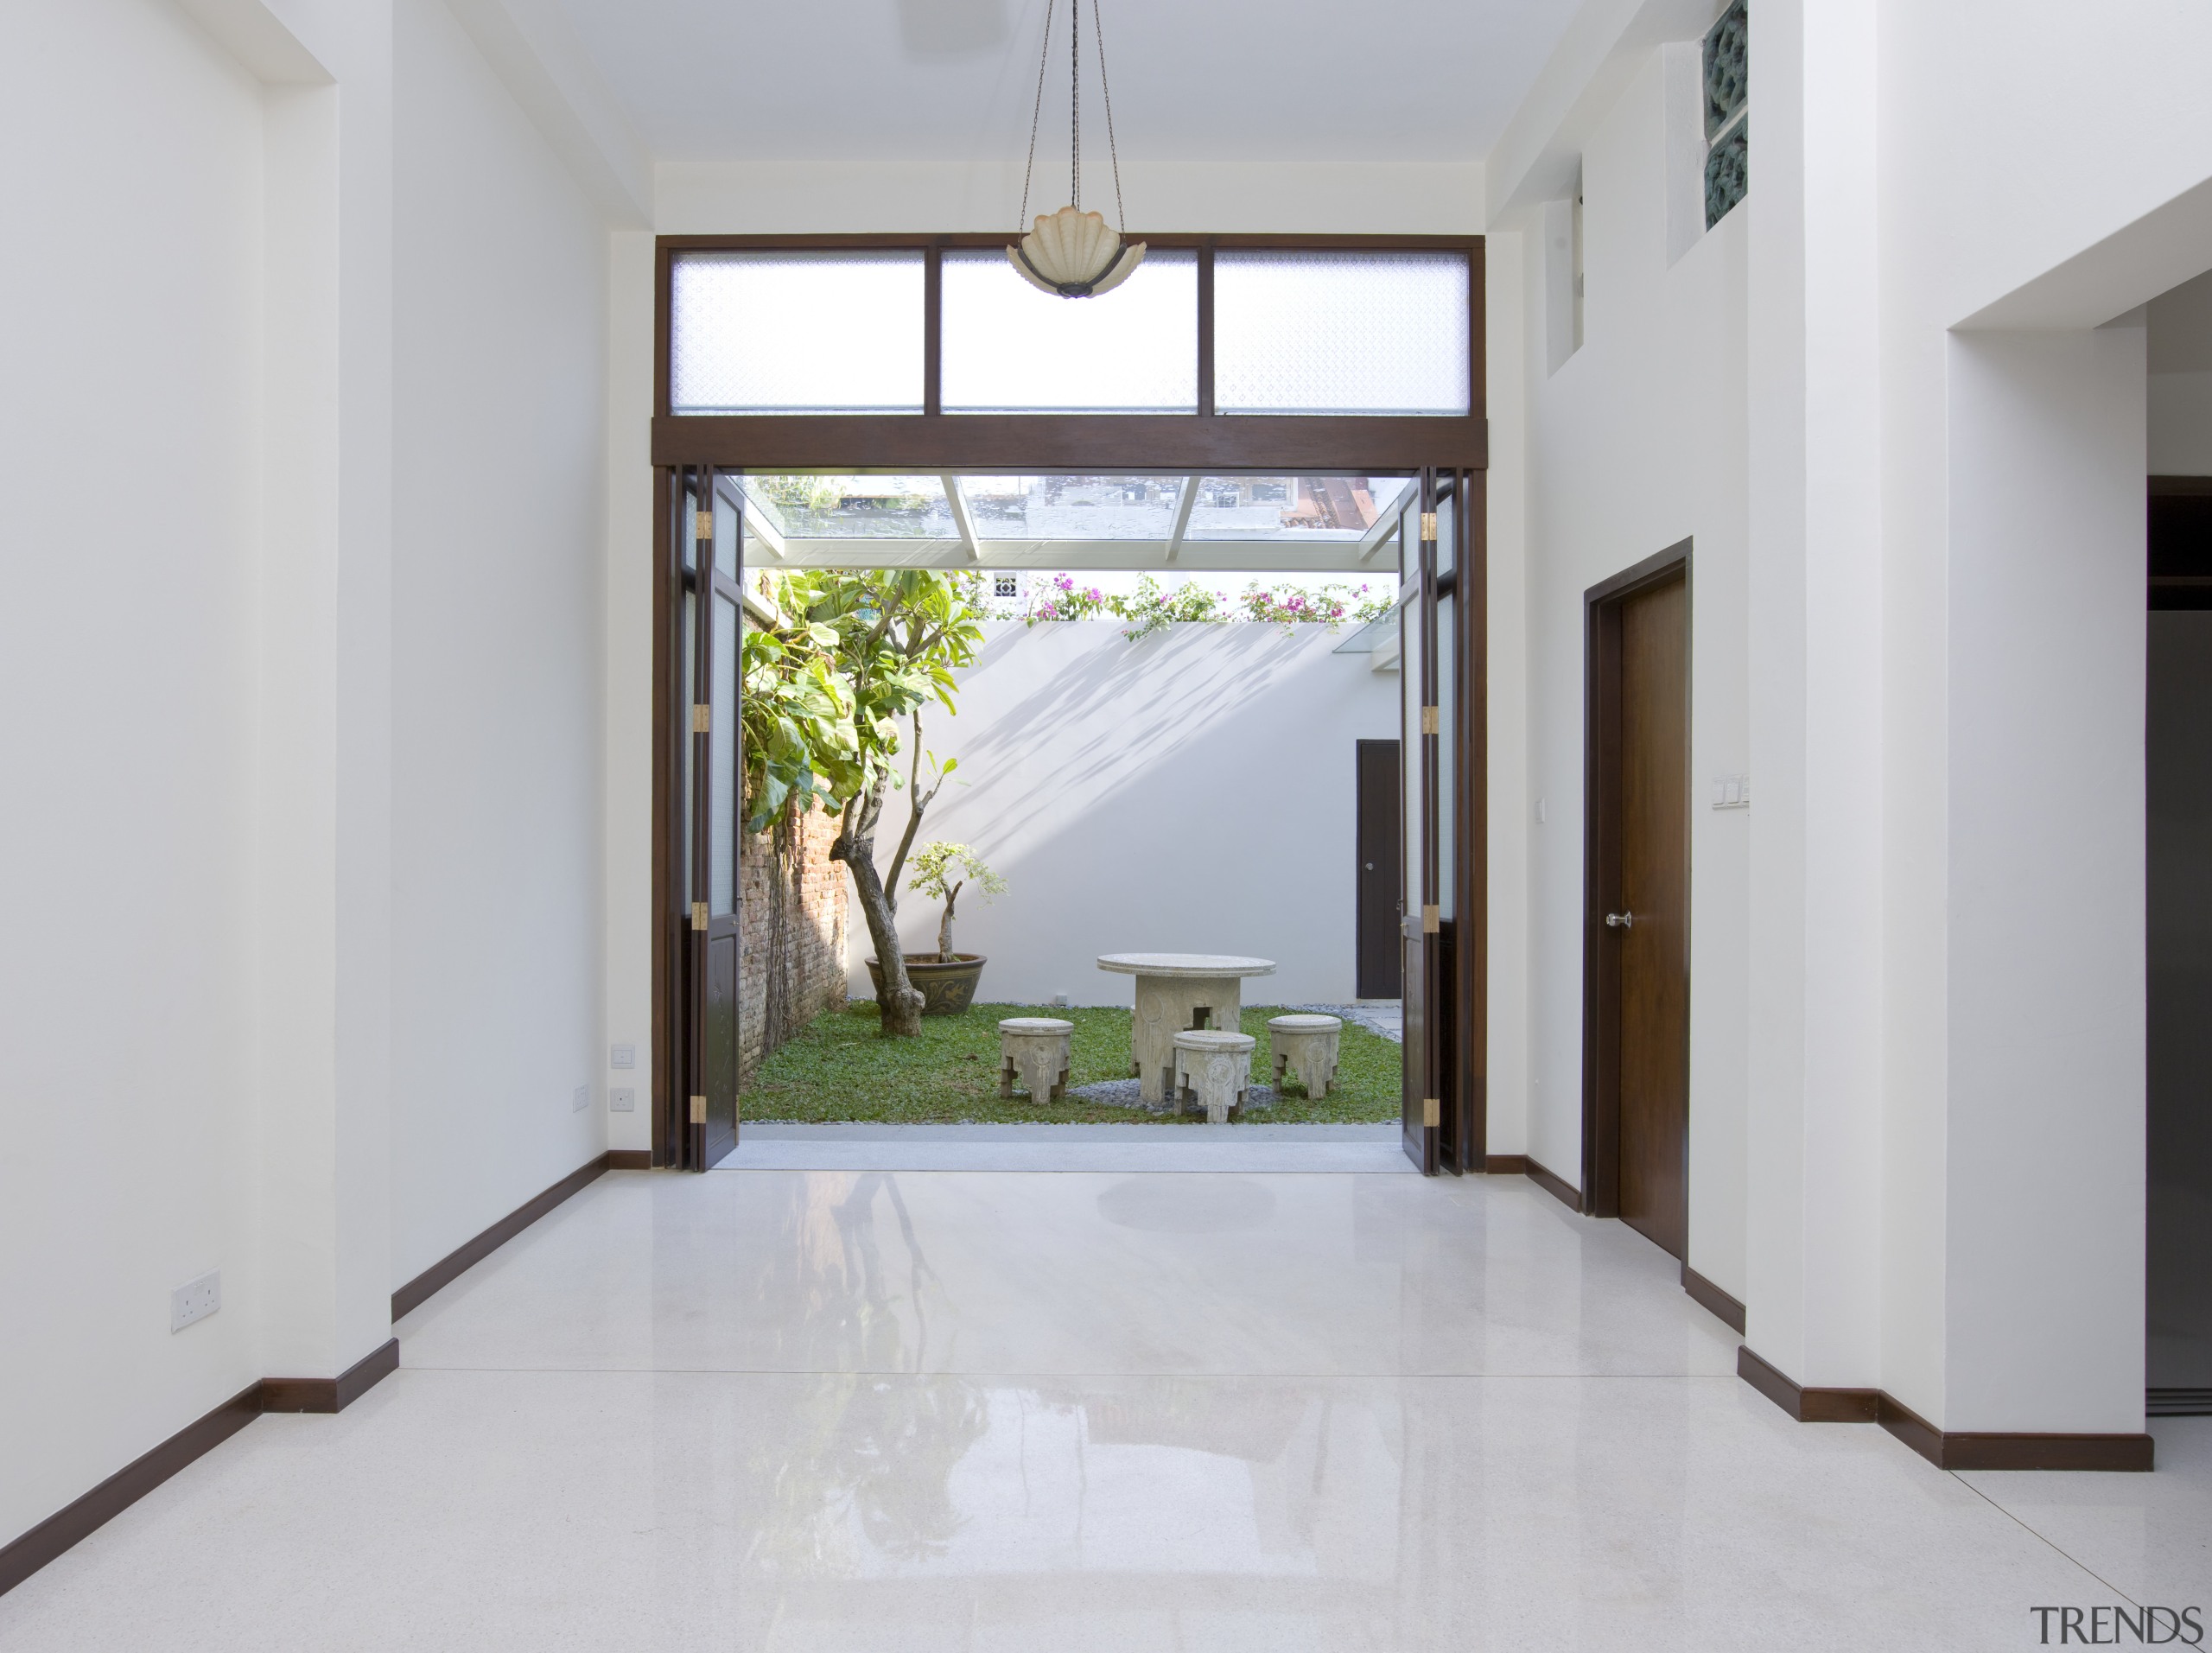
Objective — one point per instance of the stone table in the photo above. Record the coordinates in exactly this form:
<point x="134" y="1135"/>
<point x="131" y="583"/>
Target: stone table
<point x="1177" y="991"/>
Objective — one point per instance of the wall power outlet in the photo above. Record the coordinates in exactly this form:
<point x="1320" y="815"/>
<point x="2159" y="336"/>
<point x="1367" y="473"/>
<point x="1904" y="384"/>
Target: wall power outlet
<point x="195" y="1300"/>
<point x="621" y="1099"/>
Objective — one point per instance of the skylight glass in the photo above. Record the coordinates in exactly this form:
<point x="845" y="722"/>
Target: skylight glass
<point x="854" y="507"/>
<point x="1291" y="507"/>
<point x="1072" y="507"/>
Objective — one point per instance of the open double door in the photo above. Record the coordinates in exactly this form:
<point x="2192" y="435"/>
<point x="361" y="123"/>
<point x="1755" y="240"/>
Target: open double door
<point x="701" y="561"/>
<point x="1444" y="717"/>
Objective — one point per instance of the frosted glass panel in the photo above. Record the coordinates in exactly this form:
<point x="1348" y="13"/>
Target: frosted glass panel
<point x="1009" y="348"/>
<point x="796" y="332"/>
<point x="854" y="507"/>
<point x="1340" y="332"/>
<point x="722" y="840"/>
<point x="1072" y="507"/>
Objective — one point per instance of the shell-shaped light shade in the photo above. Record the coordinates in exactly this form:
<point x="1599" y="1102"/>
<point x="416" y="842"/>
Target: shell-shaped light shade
<point x="1074" y="254"/>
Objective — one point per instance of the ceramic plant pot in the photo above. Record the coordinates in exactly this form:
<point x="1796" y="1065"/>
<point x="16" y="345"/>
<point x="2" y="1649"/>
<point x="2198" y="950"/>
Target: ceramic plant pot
<point x="947" y="985"/>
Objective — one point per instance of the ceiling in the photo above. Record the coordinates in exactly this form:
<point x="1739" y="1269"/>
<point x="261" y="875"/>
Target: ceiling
<point x="953" y="80"/>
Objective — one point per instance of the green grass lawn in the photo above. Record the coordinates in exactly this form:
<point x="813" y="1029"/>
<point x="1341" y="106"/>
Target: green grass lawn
<point x="838" y="1068"/>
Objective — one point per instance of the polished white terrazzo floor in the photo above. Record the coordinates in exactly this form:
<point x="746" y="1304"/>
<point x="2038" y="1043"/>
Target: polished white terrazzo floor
<point x="792" y="1411"/>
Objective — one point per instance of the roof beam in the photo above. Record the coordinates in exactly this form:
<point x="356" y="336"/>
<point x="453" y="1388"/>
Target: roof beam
<point x="961" y="517"/>
<point x="1184" y="503"/>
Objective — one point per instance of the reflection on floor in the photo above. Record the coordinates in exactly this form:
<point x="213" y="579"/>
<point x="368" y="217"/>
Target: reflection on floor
<point x="808" y="1410"/>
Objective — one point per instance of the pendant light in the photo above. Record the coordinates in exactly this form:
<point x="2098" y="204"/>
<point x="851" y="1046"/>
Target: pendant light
<point x="1072" y="253"/>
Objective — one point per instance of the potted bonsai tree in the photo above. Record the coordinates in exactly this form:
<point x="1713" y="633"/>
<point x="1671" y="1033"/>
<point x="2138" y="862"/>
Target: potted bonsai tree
<point x="940" y="871"/>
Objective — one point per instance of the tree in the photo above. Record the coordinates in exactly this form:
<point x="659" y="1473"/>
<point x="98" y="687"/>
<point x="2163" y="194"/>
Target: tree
<point x="941" y="872"/>
<point x="893" y="638"/>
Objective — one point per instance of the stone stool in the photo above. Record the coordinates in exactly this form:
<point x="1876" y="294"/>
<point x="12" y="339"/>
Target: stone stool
<point x="1215" y="1067"/>
<point x="1308" y="1043"/>
<point x="1036" y="1049"/>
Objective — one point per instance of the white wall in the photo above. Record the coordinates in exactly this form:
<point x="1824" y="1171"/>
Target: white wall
<point x="499" y="327"/>
<point x="129" y="514"/>
<point x="1635" y="444"/>
<point x="1191" y="791"/>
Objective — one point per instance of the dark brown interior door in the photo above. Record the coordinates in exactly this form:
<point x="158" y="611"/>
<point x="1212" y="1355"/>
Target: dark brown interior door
<point x="1377" y="968"/>
<point x="1652" y="928"/>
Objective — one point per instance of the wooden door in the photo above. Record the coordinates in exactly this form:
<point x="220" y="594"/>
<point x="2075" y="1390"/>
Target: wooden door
<point x="1378" y="970"/>
<point x="705" y="618"/>
<point x="1420" y="1108"/>
<point x="1649" y="927"/>
<point x="723" y="794"/>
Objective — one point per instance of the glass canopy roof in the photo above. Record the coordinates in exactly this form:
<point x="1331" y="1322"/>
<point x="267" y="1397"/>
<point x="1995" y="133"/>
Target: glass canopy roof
<point x="1070" y="520"/>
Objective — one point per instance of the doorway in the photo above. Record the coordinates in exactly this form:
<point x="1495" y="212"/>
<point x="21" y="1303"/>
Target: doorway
<point x="1636" y="947"/>
<point x="1377" y="971"/>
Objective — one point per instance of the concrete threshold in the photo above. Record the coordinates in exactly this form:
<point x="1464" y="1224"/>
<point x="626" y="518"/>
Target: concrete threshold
<point x="1232" y="1149"/>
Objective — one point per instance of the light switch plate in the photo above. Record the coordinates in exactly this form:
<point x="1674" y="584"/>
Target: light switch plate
<point x="195" y="1300"/>
<point x="621" y="1100"/>
<point x="581" y="1100"/>
<point x="622" y="1056"/>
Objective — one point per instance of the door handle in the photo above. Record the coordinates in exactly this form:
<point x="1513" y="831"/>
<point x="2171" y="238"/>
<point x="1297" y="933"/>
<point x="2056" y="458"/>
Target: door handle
<point x="1622" y="921"/>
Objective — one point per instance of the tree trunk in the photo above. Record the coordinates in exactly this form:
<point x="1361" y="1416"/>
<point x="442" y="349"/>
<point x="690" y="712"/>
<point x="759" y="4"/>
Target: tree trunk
<point x="944" y="927"/>
<point x="899" y="1006"/>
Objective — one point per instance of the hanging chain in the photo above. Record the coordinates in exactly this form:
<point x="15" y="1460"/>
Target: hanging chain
<point x="1075" y="103"/>
<point x="1121" y="215"/>
<point x="1021" y="220"/>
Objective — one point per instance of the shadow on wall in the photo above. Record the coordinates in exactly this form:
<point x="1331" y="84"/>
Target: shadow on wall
<point x="1167" y="690"/>
<point x="1189" y="792"/>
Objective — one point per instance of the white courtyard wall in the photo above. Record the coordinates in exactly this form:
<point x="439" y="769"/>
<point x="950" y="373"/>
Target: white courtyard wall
<point x="1189" y="792"/>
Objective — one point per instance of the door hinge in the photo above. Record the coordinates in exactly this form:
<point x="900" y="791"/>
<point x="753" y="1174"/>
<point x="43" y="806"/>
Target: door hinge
<point x="699" y="915"/>
<point x="1428" y="526"/>
<point x="1429" y="722"/>
<point x="1431" y="921"/>
<point x="702" y="717"/>
<point x="1431" y="1112"/>
<point x="698" y="1110"/>
<point x="702" y="525"/>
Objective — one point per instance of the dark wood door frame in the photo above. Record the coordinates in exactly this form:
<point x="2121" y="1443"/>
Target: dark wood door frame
<point x="1454" y="450"/>
<point x="1601" y="867"/>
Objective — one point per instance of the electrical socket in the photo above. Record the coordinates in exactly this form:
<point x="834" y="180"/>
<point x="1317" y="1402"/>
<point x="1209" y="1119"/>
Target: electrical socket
<point x="195" y="1300"/>
<point x="581" y="1100"/>
<point x="621" y="1100"/>
<point x="622" y="1056"/>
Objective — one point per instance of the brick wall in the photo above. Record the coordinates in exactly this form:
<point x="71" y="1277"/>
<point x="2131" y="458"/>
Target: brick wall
<point x="792" y="931"/>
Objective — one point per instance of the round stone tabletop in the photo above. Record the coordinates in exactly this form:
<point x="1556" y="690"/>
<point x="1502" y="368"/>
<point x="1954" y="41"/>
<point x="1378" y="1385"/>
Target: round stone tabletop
<point x="1215" y="965"/>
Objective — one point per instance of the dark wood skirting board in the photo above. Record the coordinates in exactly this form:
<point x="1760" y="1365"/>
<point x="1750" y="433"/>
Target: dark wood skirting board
<point x="1808" y="1405"/>
<point x="1716" y="1302"/>
<point x="87" y="1514"/>
<point x="1506" y="1165"/>
<point x="463" y="1258"/>
<point x="331" y="1394"/>
<point x="33" y="1549"/>
<point x="1553" y="1184"/>
<point x="1957" y="1450"/>
<point x="83" y="1517"/>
